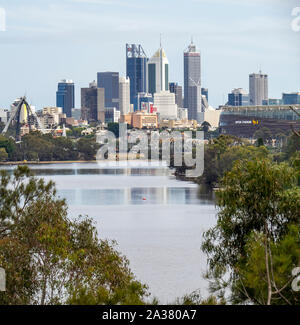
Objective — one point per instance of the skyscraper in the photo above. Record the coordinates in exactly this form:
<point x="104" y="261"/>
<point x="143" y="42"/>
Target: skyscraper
<point x="110" y="82"/>
<point x="192" y="82"/>
<point x="136" y="70"/>
<point x="238" y="97"/>
<point x="124" y="93"/>
<point x="92" y="103"/>
<point x="158" y="72"/>
<point x="258" y="88"/>
<point x="177" y="90"/>
<point x="65" y="96"/>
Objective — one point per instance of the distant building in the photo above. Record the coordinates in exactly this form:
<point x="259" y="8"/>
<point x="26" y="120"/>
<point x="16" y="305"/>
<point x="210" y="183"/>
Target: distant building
<point x="76" y="113"/>
<point x="112" y="115"/>
<point x="65" y="96"/>
<point x="145" y="102"/>
<point x="55" y="112"/>
<point x="272" y="101"/>
<point x="177" y="90"/>
<point x="3" y="115"/>
<point x="238" y="97"/>
<point x="158" y="72"/>
<point x="165" y="104"/>
<point x="178" y="124"/>
<point x="124" y="95"/>
<point x="291" y="98"/>
<point x="192" y="82"/>
<point x="110" y="82"/>
<point x="140" y="120"/>
<point x="244" y="121"/>
<point x="183" y="113"/>
<point x="136" y="71"/>
<point x="93" y="103"/>
<point x="258" y="88"/>
<point x="204" y="92"/>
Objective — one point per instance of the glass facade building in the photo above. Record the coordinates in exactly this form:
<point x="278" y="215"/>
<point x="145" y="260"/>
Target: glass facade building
<point x="65" y="96"/>
<point x="110" y="82"/>
<point x="158" y="72"/>
<point x="244" y="121"/>
<point x="192" y="83"/>
<point x="177" y="90"/>
<point x="291" y="98"/>
<point x="238" y="97"/>
<point x="136" y="71"/>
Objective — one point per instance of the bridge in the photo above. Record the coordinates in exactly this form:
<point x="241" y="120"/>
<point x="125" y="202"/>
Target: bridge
<point x="22" y="114"/>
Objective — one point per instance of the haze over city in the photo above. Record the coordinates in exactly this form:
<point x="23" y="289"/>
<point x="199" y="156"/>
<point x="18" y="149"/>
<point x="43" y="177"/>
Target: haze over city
<point x="77" y="38"/>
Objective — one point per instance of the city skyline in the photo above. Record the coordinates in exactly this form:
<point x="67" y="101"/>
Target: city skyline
<point x="257" y="36"/>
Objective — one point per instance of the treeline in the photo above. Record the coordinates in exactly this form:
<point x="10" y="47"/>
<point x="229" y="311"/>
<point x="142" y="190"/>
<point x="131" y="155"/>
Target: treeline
<point x="44" y="147"/>
<point x="221" y="153"/>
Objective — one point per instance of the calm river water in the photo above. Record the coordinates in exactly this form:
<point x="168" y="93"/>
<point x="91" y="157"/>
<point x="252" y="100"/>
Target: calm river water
<point x="158" y="221"/>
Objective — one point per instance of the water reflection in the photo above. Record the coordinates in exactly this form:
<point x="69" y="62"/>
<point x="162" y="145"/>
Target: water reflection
<point x="135" y="196"/>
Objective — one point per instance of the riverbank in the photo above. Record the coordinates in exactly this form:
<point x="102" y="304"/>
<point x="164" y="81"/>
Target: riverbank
<point x="12" y="163"/>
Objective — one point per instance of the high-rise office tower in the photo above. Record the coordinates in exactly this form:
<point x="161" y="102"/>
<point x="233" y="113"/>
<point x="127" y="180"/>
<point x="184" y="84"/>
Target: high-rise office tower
<point x="110" y="82"/>
<point x="192" y="82"/>
<point x="65" y="96"/>
<point x="238" y="97"/>
<point x="124" y="95"/>
<point x="177" y="90"/>
<point x="158" y="72"/>
<point x="258" y="88"/>
<point x="92" y="103"/>
<point x="136" y="71"/>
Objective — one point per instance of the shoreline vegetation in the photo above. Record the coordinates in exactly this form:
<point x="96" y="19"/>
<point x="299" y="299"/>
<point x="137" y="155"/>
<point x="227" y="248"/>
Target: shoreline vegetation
<point x="256" y="239"/>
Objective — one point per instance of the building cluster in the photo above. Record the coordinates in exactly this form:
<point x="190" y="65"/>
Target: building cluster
<point x="145" y="97"/>
<point x="258" y="94"/>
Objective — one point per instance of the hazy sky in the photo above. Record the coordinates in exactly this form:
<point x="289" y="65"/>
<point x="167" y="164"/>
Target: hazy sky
<point x="46" y="41"/>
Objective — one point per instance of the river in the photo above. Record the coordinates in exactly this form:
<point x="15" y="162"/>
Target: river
<point x="158" y="221"/>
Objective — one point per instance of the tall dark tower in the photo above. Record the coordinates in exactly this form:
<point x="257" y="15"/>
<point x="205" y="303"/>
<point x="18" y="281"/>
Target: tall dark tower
<point x="136" y="70"/>
<point x="65" y="96"/>
<point x="192" y="82"/>
<point x="110" y="82"/>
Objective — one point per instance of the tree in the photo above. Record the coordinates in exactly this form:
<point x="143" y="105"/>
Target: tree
<point x="220" y="155"/>
<point x="206" y="126"/>
<point x="264" y="133"/>
<point x="114" y="128"/>
<point x="50" y="259"/>
<point x="3" y="154"/>
<point x="257" y="233"/>
<point x="87" y="147"/>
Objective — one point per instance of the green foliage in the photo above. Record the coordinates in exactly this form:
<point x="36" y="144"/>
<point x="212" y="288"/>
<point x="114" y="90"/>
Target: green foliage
<point x="264" y="134"/>
<point x="74" y="132"/>
<point x="44" y="147"/>
<point x="50" y="259"/>
<point x="87" y="148"/>
<point x="9" y="146"/>
<point x="293" y="145"/>
<point x="261" y="198"/>
<point x="114" y="128"/>
<point x="220" y="155"/>
<point x="284" y="255"/>
<point x="3" y="154"/>
<point x="195" y="299"/>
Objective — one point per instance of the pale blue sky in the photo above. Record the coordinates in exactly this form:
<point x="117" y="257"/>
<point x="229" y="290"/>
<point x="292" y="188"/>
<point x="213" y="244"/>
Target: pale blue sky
<point x="47" y="41"/>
